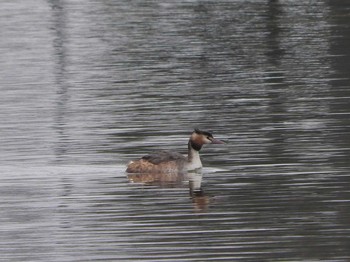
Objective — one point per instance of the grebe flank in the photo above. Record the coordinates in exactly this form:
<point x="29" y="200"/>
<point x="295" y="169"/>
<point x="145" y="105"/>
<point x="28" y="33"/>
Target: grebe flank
<point x="172" y="162"/>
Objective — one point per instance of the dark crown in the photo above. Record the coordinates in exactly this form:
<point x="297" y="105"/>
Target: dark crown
<point x="199" y="132"/>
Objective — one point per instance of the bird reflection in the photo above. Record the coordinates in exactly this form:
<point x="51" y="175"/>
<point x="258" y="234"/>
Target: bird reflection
<point x="165" y="180"/>
<point x="199" y="198"/>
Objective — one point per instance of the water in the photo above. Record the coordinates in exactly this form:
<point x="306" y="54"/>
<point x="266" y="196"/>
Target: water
<point x="86" y="86"/>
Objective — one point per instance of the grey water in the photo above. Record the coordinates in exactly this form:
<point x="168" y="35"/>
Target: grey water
<point x="86" y="86"/>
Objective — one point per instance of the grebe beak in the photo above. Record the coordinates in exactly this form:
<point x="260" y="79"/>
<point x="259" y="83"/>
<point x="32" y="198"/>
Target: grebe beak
<point x="216" y="141"/>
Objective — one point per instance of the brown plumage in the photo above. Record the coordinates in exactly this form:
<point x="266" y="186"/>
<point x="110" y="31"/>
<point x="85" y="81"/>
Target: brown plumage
<point x="164" y="162"/>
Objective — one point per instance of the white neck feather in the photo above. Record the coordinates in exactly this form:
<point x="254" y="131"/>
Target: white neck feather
<point x="194" y="161"/>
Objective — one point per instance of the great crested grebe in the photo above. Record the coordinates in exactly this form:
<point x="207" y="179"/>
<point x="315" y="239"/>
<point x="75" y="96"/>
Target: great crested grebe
<point x="172" y="162"/>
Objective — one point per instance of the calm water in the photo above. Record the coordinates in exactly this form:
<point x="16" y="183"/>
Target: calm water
<point x="86" y="86"/>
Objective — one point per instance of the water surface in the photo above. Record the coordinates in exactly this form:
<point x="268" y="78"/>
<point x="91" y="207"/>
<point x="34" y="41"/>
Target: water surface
<point x="87" y="86"/>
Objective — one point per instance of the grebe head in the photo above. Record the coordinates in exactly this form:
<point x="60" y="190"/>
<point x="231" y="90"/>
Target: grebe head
<point x="199" y="138"/>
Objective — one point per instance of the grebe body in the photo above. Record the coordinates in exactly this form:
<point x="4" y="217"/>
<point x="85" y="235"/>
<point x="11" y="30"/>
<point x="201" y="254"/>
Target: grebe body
<point x="172" y="162"/>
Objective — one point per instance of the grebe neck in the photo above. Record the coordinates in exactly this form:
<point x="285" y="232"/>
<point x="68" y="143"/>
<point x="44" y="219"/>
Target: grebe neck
<point x="194" y="161"/>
